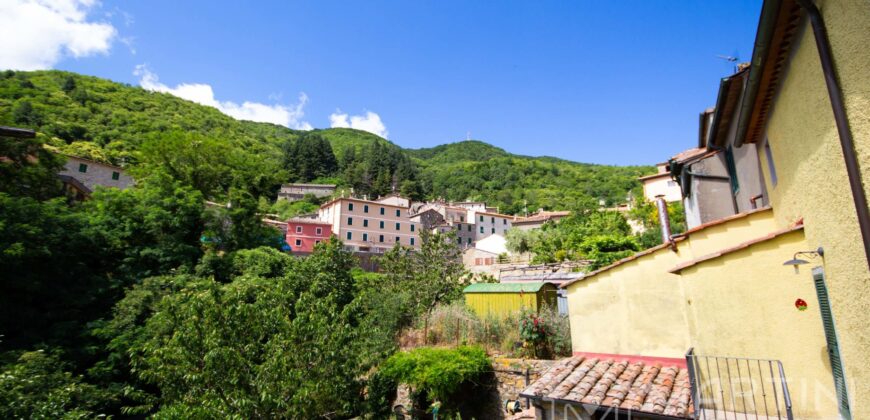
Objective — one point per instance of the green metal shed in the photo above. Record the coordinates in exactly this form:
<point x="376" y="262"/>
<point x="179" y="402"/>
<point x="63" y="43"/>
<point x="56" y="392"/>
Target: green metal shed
<point x="502" y="299"/>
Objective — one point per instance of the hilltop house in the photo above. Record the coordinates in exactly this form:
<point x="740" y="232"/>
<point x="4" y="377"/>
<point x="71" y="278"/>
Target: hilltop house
<point x="795" y="233"/>
<point x="293" y="192"/>
<point x="81" y="176"/>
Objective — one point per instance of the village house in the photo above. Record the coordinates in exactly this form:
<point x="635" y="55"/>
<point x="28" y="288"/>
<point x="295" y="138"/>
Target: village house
<point x="81" y="176"/>
<point x="303" y="234"/>
<point x="487" y="223"/>
<point x="370" y="226"/>
<point x="777" y="283"/>
<point x="537" y="220"/>
<point x="294" y="192"/>
<point x="660" y="184"/>
<point x="487" y="256"/>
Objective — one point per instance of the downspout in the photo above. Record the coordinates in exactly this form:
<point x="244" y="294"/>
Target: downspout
<point x="846" y="142"/>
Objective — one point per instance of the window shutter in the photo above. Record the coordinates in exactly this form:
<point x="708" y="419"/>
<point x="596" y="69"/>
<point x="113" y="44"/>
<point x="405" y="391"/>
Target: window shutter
<point x="832" y="342"/>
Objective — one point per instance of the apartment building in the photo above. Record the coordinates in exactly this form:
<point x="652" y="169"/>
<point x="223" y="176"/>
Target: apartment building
<point x="370" y="226"/>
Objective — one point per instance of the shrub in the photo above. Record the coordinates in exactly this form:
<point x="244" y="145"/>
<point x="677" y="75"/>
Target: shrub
<point x="436" y="372"/>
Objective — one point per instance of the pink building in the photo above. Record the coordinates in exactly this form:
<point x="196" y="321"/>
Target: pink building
<point x="303" y="234"/>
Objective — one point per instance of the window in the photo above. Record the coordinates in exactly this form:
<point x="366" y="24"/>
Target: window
<point x="382" y="210"/>
<point x="468" y="240"/>
<point x="481" y="229"/>
<point x="458" y="227"/>
<point x="349" y="236"/>
<point x="299" y="242"/>
<point x="398" y="226"/>
<point x="298" y="229"/>
<point x="83" y="167"/>
<point x="469" y="228"/>
<point x="316" y="241"/>
<point x="398" y="213"/>
<point x="398" y="240"/>
<point x="365" y="222"/>
<point x="481" y="218"/>
<point x="366" y="208"/>
<point x="412" y="241"/>
<point x="504" y="221"/>
<point x="771" y="168"/>
<point x="477" y="261"/>
<point x="493" y="230"/>
<point x="381" y="238"/>
<point x="349" y="206"/>
<point x="461" y="218"/>
<point x="732" y="170"/>
<point x="350" y="221"/>
<point x="382" y="224"/>
<point x="365" y="237"/>
<point x="318" y="231"/>
<point x="492" y="220"/>
<point x="116" y="175"/>
<point x="459" y="241"/>
<point x="412" y="228"/>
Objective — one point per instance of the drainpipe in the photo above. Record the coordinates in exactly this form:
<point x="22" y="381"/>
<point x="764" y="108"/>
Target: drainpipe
<point x="665" y="222"/>
<point x="846" y="142"/>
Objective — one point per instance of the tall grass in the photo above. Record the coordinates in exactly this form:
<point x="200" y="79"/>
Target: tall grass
<point x="455" y="324"/>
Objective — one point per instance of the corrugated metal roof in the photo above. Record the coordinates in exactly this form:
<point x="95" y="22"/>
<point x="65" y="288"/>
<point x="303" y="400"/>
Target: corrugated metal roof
<point x="504" y="287"/>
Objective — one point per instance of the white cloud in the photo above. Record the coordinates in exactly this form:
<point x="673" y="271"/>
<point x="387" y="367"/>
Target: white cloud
<point x="286" y="115"/>
<point x="370" y="122"/>
<point x="36" y="34"/>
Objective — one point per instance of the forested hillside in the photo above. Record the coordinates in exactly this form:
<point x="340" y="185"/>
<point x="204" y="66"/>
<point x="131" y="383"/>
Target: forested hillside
<point x="205" y="149"/>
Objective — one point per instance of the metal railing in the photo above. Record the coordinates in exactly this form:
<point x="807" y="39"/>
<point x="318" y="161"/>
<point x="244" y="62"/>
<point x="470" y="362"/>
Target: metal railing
<point x="738" y="388"/>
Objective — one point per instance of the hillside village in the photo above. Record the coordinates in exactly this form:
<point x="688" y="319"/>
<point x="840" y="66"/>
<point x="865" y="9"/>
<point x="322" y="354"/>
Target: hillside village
<point x="339" y="276"/>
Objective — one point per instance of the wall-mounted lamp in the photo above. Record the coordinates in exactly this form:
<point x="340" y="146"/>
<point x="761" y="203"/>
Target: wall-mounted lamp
<point x="795" y="261"/>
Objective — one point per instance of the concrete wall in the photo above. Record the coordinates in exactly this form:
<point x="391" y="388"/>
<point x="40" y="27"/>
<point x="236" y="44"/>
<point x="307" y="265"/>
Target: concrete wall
<point x="709" y="199"/>
<point x="813" y="184"/>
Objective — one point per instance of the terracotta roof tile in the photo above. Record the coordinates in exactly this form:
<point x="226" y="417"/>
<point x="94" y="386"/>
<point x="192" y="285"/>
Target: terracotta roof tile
<point x="635" y="385"/>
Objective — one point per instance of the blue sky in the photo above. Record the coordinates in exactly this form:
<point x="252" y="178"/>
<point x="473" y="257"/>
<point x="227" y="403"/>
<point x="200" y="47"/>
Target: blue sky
<point x="602" y="82"/>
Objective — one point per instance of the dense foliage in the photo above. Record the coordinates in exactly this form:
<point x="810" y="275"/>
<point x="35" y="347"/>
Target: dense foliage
<point x="437" y="373"/>
<point x="170" y="298"/>
<point x="211" y="152"/>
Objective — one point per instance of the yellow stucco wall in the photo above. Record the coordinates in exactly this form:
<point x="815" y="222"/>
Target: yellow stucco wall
<point x="742" y="305"/>
<point x="738" y="305"/>
<point x="812" y="178"/>
<point x="639" y="307"/>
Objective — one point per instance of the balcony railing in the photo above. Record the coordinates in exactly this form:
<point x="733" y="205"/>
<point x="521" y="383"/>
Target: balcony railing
<point x="738" y="388"/>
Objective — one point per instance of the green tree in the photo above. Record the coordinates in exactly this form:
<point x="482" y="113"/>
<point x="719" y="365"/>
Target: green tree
<point x="259" y="347"/>
<point x="431" y="275"/>
<point x="37" y="386"/>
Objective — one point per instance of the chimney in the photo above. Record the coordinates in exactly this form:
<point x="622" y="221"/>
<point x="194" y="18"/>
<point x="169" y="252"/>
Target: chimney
<point x="665" y="221"/>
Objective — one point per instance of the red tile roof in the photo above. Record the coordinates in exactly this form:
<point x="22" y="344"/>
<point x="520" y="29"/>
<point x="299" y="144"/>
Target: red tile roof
<point x="654" y="176"/>
<point x="621" y="382"/>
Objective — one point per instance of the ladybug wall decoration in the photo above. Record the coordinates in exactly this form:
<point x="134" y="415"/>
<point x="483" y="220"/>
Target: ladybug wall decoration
<point x="800" y="304"/>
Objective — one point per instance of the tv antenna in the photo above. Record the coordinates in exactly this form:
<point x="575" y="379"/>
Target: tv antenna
<point x="733" y="59"/>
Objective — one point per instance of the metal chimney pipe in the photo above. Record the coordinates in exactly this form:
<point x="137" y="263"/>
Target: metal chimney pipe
<point x="664" y="219"/>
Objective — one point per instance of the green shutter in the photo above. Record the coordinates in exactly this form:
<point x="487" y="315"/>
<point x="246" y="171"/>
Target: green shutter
<point x="833" y="344"/>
